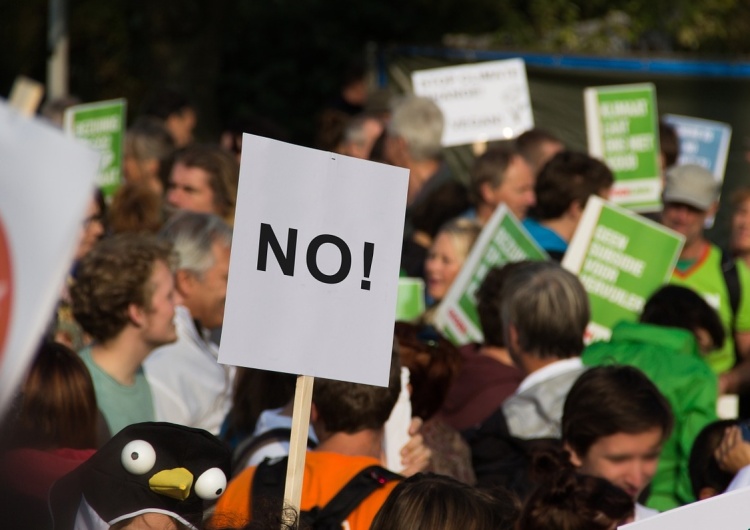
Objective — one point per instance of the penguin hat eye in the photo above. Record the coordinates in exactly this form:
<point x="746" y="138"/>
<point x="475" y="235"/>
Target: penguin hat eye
<point x="138" y="457"/>
<point x="211" y="484"/>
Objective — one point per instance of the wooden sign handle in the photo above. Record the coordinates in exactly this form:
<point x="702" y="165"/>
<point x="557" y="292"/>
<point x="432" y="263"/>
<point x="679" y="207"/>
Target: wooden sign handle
<point x="297" y="446"/>
<point x="26" y="95"/>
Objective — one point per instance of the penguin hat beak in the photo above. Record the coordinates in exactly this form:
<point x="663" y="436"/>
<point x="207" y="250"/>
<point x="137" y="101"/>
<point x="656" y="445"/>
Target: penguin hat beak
<point x="175" y="483"/>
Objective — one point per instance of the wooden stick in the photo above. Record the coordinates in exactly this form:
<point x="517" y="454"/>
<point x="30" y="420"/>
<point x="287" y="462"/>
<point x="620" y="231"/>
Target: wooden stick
<point x="26" y="95"/>
<point x="297" y="446"/>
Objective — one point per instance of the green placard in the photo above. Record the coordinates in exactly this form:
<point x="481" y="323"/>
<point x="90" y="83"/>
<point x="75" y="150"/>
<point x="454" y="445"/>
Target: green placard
<point x="503" y="240"/>
<point x="623" y="130"/>
<point x="621" y="258"/>
<point x="410" y="300"/>
<point x="102" y="126"/>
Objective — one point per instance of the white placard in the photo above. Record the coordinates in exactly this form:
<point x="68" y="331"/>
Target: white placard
<point x="480" y="102"/>
<point x="46" y="183"/>
<point x="313" y="275"/>
<point x="727" y="511"/>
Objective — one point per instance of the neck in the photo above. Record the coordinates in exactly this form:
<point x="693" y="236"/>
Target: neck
<point x="530" y="364"/>
<point x="484" y="212"/>
<point x="121" y="357"/>
<point x="495" y="352"/>
<point x="419" y="173"/>
<point x="693" y="249"/>
<point x="563" y="226"/>
<point x="368" y="442"/>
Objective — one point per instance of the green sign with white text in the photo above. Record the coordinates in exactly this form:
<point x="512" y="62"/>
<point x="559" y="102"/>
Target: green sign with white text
<point x="102" y="126"/>
<point x="623" y="130"/>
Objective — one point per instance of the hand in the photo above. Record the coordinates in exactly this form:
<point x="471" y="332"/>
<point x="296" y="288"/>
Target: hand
<point x="415" y="455"/>
<point x="733" y="452"/>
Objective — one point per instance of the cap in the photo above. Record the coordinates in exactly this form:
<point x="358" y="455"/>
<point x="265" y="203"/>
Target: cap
<point x="692" y="185"/>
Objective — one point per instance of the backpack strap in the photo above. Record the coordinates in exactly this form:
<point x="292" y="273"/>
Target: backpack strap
<point x="361" y="486"/>
<point x="248" y="447"/>
<point x="732" y="281"/>
<point x="268" y="493"/>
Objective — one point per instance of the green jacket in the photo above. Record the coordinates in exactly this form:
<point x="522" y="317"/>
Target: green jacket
<point x="670" y="358"/>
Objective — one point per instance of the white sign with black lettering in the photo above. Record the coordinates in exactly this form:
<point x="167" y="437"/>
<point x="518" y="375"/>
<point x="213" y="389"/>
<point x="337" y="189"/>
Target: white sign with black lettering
<point x="480" y="102"/>
<point x="313" y="276"/>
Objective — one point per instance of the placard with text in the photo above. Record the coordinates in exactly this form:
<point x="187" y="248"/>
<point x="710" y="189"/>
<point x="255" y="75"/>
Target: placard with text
<point x="621" y="258"/>
<point x="314" y="269"/>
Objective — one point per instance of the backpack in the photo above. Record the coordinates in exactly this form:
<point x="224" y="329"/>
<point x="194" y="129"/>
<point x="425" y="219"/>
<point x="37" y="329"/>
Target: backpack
<point x="268" y="491"/>
<point x="732" y="281"/>
<point x="250" y="445"/>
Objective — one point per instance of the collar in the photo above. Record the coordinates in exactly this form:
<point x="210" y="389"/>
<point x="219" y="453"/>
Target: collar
<point x="550" y="372"/>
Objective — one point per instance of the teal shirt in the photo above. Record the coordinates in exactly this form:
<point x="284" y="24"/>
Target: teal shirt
<point x="671" y="359"/>
<point x="121" y="405"/>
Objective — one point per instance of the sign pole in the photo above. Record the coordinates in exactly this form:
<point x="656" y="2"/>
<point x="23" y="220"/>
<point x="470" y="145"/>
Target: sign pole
<point x="297" y="447"/>
<point x="26" y="95"/>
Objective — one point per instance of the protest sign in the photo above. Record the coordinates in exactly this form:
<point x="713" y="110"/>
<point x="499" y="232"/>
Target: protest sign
<point x="315" y="259"/>
<point x="480" y="102"/>
<point x="102" y="126"/>
<point x="727" y="511"/>
<point x="410" y="300"/>
<point x="702" y="142"/>
<point x="502" y="240"/>
<point x="621" y="258"/>
<point x="46" y="183"/>
<point x="622" y="129"/>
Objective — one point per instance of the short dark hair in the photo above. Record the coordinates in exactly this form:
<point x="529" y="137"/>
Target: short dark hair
<point x="353" y="407"/>
<point x="568" y="177"/>
<point x="433" y="362"/>
<point x="490" y="169"/>
<point x="489" y="307"/>
<point x="223" y="170"/>
<point x="612" y="399"/>
<point x="112" y="276"/>
<point x="679" y="307"/>
<point x="165" y="102"/>
<point x="549" y="309"/>
<point x="427" y="500"/>
<point x="529" y="145"/>
<point x="669" y="143"/>
<point x="704" y="469"/>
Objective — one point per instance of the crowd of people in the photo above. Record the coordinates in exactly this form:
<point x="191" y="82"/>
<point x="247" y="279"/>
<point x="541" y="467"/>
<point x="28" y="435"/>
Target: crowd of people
<point x="126" y="420"/>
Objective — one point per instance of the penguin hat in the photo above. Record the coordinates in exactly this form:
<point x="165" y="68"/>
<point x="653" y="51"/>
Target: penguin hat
<point x="145" y="468"/>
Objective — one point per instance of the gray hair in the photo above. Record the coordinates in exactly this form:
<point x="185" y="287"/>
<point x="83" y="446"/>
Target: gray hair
<point x="548" y="307"/>
<point x="419" y="121"/>
<point x="192" y="235"/>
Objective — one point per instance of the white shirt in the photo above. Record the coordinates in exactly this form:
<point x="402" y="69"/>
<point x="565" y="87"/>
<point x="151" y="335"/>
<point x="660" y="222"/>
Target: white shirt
<point x="550" y="371"/>
<point x="189" y="386"/>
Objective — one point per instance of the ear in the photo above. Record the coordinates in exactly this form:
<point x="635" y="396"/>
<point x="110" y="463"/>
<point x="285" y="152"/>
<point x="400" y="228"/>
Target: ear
<point x="574" y="458"/>
<point x="711" y="212"/>
<point x="515" y="345"/>
<point x="184" y="282"/>
<point x="137" y="315"/>
<point x="705" y="342"/>
<point x="486" y="192"/>
<point x="575" y="210"/>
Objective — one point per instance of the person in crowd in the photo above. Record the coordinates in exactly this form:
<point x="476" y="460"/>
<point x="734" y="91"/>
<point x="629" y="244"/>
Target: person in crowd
<point x="676" y="328"/>
<point x="176" y="112"/>
<point x="348" y="419"/>
<point x="545" y="310"/>
<point x="707" y="476"/>
<point x="427" y="500"/>
<point x="204" y="179"/>
<point x="615" y="422"/>
<point x="562" y="189"/>
<point x="124" y="297"/>
<point x="148" y="476"/>
<point x="447" y="254"/>
<point x="136" y="209"/>
<point x="487" y="376"/>
<point x="740" y="235"/>
<point x="148" y="152"/>
<point x="537" y="146"/>
<point x="433" y="362"/>
<point x="669" y="146"/>
<point x="690" y="195"/>
<point x="360" y="135"/>
<point x="66" y="329"/>
<point x="53" y="428"/>
<point x="571" y="501"/>
<point x="501" y="176"/>
<point x="413" y="141"/>
<point x="189" y="386"/>
<point x="53" y="110"/>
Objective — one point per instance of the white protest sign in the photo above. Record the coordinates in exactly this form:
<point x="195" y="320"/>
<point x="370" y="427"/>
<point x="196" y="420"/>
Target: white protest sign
<point x="313" y="275"/>
<point x="46" y="183"/>
<point x="480" y="102"/>
<point x="727" y="511"/>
